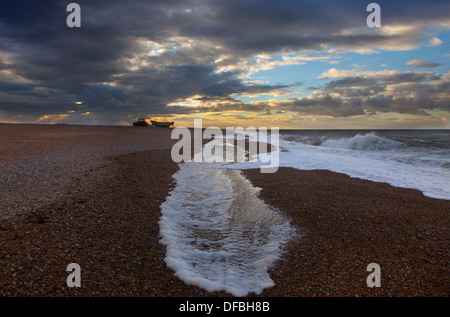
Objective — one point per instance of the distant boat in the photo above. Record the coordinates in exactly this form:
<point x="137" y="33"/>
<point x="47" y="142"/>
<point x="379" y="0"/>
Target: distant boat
<point x="140" y="123"/>
<point x="164" y="124"/>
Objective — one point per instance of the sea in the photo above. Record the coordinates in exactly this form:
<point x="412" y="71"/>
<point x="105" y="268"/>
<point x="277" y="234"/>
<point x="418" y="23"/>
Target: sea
<point x="418" y="159"/>
<point x="221" y="236"/>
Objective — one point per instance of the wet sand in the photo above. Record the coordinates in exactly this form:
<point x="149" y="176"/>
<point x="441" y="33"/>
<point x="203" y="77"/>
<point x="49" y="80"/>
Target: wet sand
<point x="105" y="218"/>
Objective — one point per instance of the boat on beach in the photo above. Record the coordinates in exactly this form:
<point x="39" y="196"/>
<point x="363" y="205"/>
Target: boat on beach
<point x="140" y="123"/>
<point x="164" y="124"/>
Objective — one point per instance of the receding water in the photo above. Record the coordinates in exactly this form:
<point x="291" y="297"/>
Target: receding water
<point x="218" y="233"/>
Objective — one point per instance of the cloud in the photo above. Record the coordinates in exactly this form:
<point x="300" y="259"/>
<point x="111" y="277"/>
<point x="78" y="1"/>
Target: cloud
<point x="406" y="99"/>
<point x="360" y="77"/>
<point x="417" y="63"/>
<point x="265" y="62"/>
<point x="358" y="92"/>
<point x="435" y="41"/>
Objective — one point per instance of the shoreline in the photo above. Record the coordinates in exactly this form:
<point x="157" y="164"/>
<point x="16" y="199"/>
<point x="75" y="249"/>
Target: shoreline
<point x="110" y="228"/>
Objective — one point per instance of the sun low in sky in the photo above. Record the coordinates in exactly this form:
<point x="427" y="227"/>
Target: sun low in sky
<point x="288" y="64"/>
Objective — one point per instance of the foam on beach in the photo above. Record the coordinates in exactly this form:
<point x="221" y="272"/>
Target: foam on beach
<point x="219" y="234"/>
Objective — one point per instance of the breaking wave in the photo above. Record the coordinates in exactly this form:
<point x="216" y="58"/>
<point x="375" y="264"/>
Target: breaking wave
<point x="366" y="142"/>
<point x="404" y="158"/>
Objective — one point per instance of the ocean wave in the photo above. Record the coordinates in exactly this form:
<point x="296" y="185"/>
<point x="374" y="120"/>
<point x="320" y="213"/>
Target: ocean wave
<point x="404" y="158"/>
<point x="367" y="142"/>
<point x="310" y="140"/>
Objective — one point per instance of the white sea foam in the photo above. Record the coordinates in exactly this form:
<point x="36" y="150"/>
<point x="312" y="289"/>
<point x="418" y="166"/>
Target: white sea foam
<point x="218" y="233"/>
<point x="368" y="156"/>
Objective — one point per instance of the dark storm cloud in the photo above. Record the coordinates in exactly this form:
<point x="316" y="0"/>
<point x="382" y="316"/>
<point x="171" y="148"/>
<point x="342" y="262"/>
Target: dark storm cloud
<point x="76" y="62"/>
<point x="47" y="66"/>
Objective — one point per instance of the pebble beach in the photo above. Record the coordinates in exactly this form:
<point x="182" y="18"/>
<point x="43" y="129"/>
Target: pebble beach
<point x="91" y="195"/>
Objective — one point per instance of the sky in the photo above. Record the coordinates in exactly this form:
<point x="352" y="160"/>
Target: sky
<point x="287" y="63"/>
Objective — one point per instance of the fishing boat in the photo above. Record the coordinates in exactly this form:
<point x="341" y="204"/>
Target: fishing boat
<point x="164" y="124"/>
<point x="140" y="123"/>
